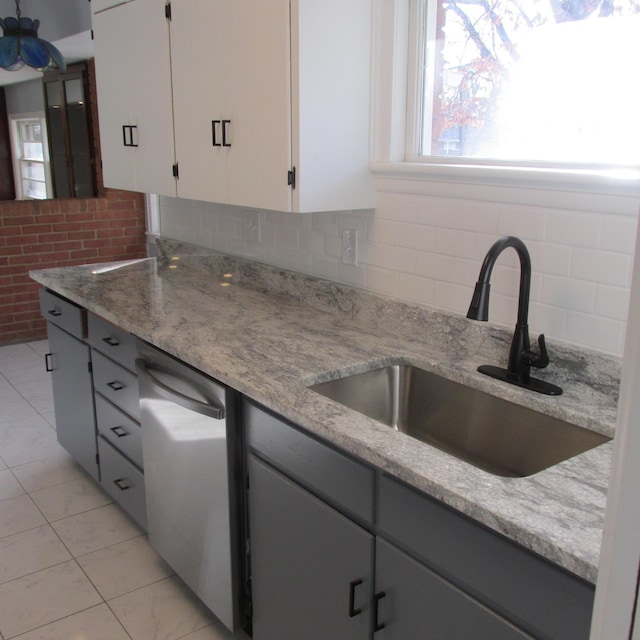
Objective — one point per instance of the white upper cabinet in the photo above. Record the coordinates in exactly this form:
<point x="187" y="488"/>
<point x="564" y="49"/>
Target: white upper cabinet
<point x="101" y="5"/>
<point x="135" y="109"/>
<point x="269" y="98"/>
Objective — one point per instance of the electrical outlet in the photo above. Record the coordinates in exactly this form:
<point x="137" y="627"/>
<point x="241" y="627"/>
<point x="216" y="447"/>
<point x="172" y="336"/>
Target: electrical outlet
<point x="252" y="228"/>
<point x="350" y="246"/>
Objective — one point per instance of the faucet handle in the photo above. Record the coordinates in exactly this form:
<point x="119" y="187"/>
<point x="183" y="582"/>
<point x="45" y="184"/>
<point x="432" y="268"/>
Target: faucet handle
<point x="538" y="360"/>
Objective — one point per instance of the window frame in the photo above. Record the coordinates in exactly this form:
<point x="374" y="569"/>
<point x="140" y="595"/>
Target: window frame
<point x="396" y="124"/>
<point x="15" y="123"/>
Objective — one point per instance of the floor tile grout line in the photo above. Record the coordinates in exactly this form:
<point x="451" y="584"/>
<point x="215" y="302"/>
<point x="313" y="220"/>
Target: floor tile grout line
<point x="46" y="624"/>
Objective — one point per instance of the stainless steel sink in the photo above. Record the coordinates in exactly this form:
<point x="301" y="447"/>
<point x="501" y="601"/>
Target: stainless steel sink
<point x="491" y="433"/>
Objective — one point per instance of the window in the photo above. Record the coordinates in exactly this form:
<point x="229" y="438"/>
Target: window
<point x="530" y="82"/>
<point x="31" y="157"/>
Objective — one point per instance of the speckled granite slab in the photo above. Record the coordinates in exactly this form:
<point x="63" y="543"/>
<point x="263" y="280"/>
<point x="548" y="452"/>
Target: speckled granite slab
<point x="270" y="333"/>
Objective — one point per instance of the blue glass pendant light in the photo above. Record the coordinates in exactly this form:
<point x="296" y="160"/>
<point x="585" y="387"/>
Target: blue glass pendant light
<point x="21" y="46"/>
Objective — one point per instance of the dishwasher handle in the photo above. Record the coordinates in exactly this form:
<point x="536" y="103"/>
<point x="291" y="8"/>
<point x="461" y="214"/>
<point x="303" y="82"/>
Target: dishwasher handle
<point x="212" y="410"/>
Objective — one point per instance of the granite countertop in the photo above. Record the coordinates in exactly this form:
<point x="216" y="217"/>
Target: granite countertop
<point x="270" y="333"/>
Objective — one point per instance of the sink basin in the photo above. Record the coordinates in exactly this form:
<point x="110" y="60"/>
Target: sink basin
<point x="491" y="433"/>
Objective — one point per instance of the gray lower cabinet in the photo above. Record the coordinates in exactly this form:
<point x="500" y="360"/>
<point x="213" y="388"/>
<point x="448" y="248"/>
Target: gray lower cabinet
<point x="311" y="566"/>
<point x="411" y="601"/>
<point x="325" y="564"/>
<point x="69" y="361"/>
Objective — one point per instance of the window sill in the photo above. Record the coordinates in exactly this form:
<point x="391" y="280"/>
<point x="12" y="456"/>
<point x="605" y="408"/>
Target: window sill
<point x="588" y="190"/>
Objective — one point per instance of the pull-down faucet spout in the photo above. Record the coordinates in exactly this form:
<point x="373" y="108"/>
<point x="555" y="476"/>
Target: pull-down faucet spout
<point x="521" y="358"/>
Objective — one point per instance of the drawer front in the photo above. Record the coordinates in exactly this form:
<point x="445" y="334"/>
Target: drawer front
<point x="116" y="343"/>
<point x="120" y="430"/>
<point x="65" y="314"/>
<point x="336" y="478"/>
<point x="536" y="595"/>
<point x="123" y="481"/>
<point x="116" y="384"/>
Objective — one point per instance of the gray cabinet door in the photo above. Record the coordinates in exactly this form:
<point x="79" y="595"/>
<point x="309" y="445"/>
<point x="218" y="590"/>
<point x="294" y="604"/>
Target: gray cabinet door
<point x="311" y="567"/>
<point x="73" y="397"/>
<point x="414" y="603"/>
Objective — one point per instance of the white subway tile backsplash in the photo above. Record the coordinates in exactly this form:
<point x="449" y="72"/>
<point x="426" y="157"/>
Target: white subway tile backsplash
<point x="603" y="267"/>
<point x="382" y="281"/>
<point x="416" y="289"/>
<point x="370" y="253"/>
<point x="384" y="231"/>
<point x="402" y="208"/>
<point x="399" y="259"/>
<point x="595" y="332"/>
<point x="452" y="297"/>
<point x="612" y="302"/>
<point x="574" y="229"/>
<point x="569" y="294"/>
<point x="428" y="249"/>
<point x="437" y="212"/>
<point x="551" y="321"/>
<point x="524" y="222"/>
<point x="417" y="236"/>
<point x="548" y="258"/>
<point x="483" y="217"/>
<point x="436" y="266"/>
<point x="453" y="242"/>
<point x="619" y="234"/>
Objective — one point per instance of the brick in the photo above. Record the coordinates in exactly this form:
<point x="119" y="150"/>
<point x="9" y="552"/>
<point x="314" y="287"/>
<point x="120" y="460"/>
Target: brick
<point x="18" y="221"/>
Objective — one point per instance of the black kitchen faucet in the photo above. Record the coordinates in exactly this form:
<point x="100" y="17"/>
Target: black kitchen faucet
<point x="521" y="357"/>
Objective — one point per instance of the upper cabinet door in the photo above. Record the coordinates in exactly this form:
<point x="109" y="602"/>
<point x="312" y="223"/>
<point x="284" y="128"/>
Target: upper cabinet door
<point x="197" y="61"/>
<point x="133" y="71"/>
<point x="331" y="87"/>
<point x="258" y="83"/>
<point x="114" y="82"/>
<point x="231" y="79"/>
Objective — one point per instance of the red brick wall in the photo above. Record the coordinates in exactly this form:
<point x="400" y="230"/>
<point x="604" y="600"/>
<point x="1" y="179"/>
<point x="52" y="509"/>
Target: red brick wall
<point x="60" y="233"/>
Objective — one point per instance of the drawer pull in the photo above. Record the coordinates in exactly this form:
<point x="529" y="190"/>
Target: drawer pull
<point x="353" y="612"/>
<point x="122" y="484"/>
<point x="121" y="432"/>
<point x="47" y="362"/>
<point x="115" y="385"/>
<point x="55" y="312"/>
<point x="111" y="341"/>
<point x="377" y="626"/>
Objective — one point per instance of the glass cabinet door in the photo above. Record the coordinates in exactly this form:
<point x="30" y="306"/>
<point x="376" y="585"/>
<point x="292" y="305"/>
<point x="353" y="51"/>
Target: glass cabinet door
<point x="70" y="139"/>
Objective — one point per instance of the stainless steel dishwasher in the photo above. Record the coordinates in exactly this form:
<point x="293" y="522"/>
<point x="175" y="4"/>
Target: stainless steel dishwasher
<point x="189" y="451"/>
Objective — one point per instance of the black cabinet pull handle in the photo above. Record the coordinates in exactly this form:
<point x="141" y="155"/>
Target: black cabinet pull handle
<point x="127" y="135"/>
<point x="115" y="385"/>
<point x="122" y="484"/>
<point x="353" y="612"/>
<point x="377" y="625"/>
<point x="214" y="126"/>
<point x="47" y="362"/>
<point x="225" y="129"/>
<point x="121" y="432"/>
<point x="111" y="341"/>
<point x="55" y="312"/>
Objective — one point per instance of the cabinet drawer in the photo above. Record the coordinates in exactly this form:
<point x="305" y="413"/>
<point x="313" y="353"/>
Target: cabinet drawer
<point x="114" y="342"/>
<point x="333" y="476"/>
<point x="119" y="429"/>
<point x="65" y="314"/>
<point x="536" y="595"/>
<point x="123" y="481"/>
<point x="116" y="383"/>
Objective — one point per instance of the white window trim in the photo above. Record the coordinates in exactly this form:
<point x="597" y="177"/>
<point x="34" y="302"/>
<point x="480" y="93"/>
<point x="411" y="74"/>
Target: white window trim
<point x="394" y="119"/>
<point x="16" y="151"/>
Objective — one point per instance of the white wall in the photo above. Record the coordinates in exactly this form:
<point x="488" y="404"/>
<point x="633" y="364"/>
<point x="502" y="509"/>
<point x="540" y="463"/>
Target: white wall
<point x="425" y="243"/>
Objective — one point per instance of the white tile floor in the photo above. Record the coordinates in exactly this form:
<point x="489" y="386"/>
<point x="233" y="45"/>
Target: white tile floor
<point x="73" y="566"/>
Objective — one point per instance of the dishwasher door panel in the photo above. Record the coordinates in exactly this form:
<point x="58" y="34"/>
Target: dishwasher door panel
<point x="187" y="480"/>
